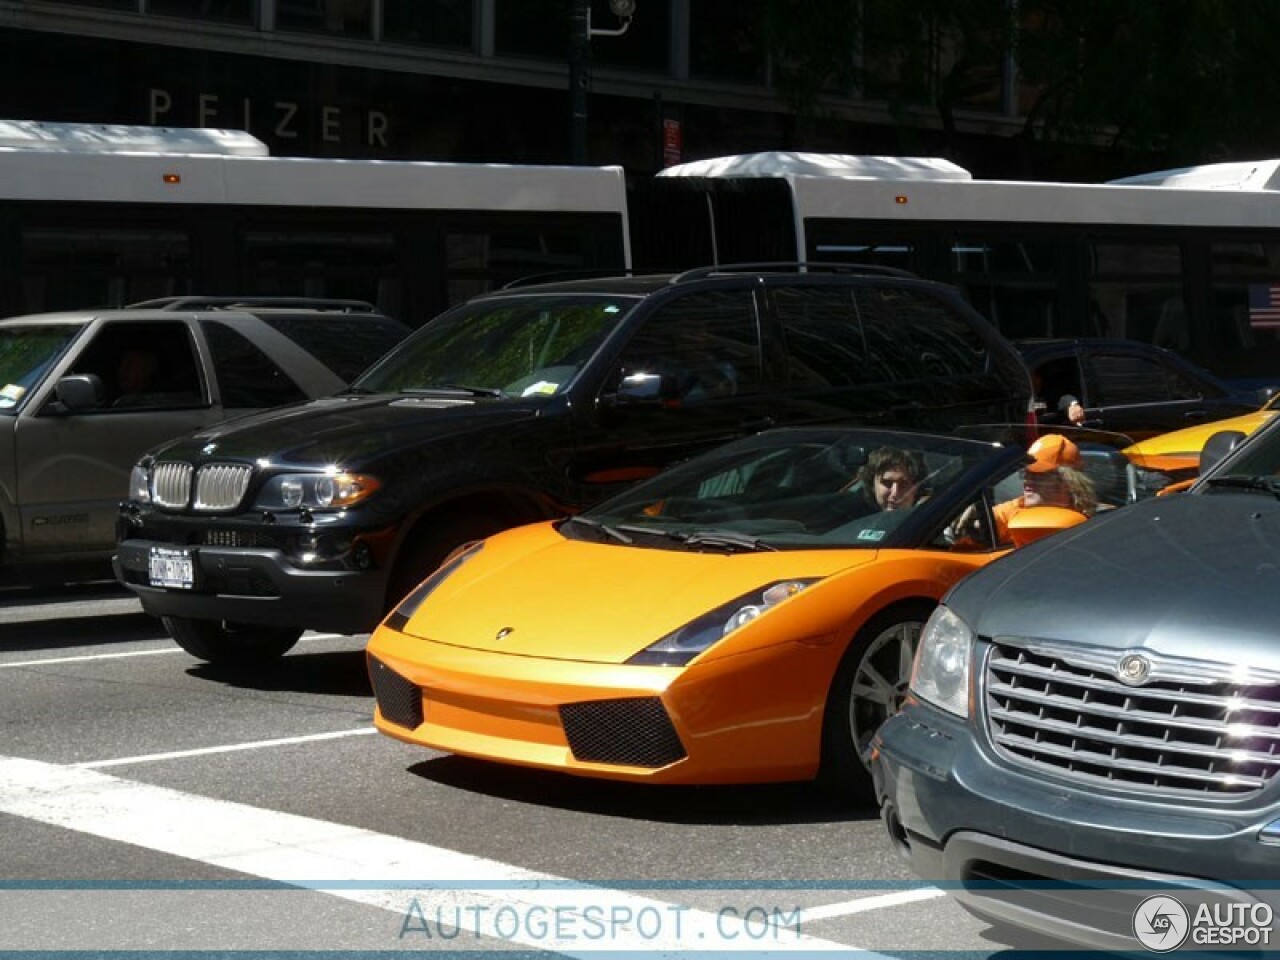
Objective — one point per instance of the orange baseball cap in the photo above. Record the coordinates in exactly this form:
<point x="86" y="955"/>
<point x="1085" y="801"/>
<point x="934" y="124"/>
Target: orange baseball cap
<point x="1051" y="452"/>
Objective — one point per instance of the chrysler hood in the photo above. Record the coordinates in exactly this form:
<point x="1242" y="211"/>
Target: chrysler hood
<point x="1195" y="576"/>
<point x="347" y="429"/>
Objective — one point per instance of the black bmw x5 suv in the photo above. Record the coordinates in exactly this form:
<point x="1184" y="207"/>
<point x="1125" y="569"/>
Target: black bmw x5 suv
<point x="522" y="405"/>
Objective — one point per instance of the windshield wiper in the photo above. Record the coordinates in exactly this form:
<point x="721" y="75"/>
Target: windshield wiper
<point x="355" y="392"/>
<point x="457" y="388"/>
<point x="613" y="533"/>
<point x="727" y="540"/>
<point x="1265" y="484"/>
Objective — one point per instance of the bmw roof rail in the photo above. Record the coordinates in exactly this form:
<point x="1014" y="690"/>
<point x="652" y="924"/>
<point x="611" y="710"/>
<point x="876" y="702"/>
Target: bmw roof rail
<point x="796" y="266"/>
<point x="249" y="303"/>
<point x="554" y="276"/>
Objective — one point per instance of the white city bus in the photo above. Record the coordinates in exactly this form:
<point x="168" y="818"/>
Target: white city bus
<point x="1188" y="259"/>
<point x="94" y="215"/>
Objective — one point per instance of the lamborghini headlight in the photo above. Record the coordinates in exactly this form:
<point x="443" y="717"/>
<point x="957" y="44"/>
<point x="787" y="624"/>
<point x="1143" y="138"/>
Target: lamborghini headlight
<point x="294" y="491"/>
<point x="680" y="646"/>
<point x="941" y="671"/>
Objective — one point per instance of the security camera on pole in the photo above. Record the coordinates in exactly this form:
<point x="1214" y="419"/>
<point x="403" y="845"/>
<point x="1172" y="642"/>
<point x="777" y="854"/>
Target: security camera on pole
<point x="580" y="34"/>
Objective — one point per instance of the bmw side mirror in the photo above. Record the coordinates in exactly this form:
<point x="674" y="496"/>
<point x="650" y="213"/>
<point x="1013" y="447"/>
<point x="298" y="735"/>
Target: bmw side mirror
<point x="646" y="389"/>
<point x="1217" y="447"/>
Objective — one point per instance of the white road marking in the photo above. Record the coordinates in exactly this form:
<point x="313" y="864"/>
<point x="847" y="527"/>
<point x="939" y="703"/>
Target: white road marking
<point x="866" y="904"/>
<point x="46" y="661"/>
<point x="428" y="887"/>
<point x="224" y="748"/>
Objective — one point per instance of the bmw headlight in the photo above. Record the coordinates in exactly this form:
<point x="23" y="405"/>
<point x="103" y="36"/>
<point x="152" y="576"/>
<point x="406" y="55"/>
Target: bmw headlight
<point x="680" y="646"/>
<point x="941" y="671"/>
<point x="406" y="608"/>
<point x="294" y="491"/>
<point x="140" y="484"/>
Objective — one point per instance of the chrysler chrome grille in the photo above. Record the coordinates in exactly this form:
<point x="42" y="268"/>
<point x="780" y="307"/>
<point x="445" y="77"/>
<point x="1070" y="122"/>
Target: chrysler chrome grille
<point x="220" y="486"/>
<point x="1170" y="735"/>
<point x="171" y="484"/>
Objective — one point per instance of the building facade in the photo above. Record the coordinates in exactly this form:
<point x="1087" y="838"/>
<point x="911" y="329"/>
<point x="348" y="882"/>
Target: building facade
<point x="467" y="80"/>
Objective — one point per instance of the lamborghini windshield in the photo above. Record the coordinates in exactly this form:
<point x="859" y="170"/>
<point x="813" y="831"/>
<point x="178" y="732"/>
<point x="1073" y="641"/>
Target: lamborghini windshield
<point x="799" y="489"/>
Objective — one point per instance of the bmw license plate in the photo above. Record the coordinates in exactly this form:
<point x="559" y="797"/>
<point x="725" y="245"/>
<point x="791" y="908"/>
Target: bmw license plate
<point x="172" y="568"/>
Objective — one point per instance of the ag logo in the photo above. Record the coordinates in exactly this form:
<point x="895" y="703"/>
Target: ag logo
<point x="1161" y="923"/>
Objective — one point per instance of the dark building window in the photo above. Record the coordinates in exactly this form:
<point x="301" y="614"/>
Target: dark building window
<point x="112" y="4"/>
<point x="437" y="23"/>
<point x="532" y="28"/>
<point x="352" y="18"/>
<point x="645" y="45"/>
<point x="238" y="11"/>
<point x="723" y="44"/>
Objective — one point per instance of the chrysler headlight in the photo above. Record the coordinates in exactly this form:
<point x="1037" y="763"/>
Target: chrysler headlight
<point x="680" y="646"/>
<point x="294" y="491"/>
<point x="941" y="671"/>
<point x="140" y="484"/>
<point x="398" y="618"/>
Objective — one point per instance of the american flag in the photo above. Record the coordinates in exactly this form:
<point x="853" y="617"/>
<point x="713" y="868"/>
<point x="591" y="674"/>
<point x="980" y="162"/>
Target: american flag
<point x="1264" y="305"/>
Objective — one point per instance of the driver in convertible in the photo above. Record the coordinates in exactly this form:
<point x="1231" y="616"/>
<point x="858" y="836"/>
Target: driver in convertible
<point x="891" y="478"/>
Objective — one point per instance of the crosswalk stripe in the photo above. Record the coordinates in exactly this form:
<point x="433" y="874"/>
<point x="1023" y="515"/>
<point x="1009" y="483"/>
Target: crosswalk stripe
<point x="431" y="888"/>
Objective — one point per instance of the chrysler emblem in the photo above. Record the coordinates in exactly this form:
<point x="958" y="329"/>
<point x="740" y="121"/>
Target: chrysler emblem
<point x="504" y="633"/>
<point x="1133" y="669"/>
<point x="208" y="448"/>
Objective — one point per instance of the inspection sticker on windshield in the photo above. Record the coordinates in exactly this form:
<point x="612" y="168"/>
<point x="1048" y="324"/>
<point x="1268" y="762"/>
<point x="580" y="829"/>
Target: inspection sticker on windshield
<point x="540" y="389"/>
<point x="871" y="534"/>
<point x="10" y="394"/>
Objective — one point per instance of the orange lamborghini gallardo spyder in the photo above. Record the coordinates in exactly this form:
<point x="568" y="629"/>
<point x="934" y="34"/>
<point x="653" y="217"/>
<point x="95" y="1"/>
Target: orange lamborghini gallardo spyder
<point x="750" y="615"/>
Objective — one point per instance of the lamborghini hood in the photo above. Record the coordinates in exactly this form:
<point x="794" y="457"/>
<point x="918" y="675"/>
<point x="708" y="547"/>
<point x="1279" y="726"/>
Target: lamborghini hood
<point x="531" y="592"/>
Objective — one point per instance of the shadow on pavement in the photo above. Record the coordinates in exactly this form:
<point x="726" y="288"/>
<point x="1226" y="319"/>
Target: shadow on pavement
<point x="333" y="672"/>
<point x="753" y="804"/>
<point x="86" y="629"/>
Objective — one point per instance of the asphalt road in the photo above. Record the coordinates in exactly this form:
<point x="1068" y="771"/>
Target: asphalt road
<point x="148" y="802"/>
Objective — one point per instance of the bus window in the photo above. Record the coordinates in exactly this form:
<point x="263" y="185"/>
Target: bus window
<point x="1137" y="285"/>
<point x="832" y="245"/>
<point x="1243" y="334"/>
<point x="68" y="267"/>
<point x="481" y="260"/>
<point x="340" y="264"/>
<point x="1013" y="282"/>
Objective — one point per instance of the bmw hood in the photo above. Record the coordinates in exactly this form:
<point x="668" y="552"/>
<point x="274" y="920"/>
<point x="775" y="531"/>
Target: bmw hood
<point x="347" y="429"/>
<point x="1191" y="575"/>
<point x="530" y="592"/>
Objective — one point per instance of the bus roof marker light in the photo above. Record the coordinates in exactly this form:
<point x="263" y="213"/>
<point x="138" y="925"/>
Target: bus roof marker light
<point x="900" y="199"/>
<point x="172" y="178"/>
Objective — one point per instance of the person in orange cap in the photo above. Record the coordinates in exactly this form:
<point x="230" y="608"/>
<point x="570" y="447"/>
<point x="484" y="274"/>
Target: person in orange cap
<point x="1052" y="479"/>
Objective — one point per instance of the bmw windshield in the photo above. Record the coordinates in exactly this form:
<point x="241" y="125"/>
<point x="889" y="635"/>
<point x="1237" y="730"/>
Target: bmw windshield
<point x="513" y="347"/>
<point x="25" y="354"/>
